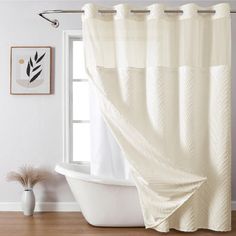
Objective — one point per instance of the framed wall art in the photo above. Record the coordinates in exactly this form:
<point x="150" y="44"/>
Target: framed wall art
<point x="30" y="70"/>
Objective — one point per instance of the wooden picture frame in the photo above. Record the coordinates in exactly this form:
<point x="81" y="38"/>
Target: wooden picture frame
<point x="30" y="70"/>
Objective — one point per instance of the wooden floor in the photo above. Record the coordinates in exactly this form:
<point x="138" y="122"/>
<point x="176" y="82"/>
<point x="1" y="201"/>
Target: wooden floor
<point x="68" y="224"/>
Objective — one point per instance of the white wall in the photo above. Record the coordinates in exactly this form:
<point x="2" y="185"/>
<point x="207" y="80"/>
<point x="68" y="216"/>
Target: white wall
<point x="31" y="126"/>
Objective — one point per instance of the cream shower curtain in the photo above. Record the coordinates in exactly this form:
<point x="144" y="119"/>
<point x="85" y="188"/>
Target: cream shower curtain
<point x="163" y="83"/>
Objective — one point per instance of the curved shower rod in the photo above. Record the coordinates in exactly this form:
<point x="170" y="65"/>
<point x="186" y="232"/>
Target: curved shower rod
<point x="55" y="23"/>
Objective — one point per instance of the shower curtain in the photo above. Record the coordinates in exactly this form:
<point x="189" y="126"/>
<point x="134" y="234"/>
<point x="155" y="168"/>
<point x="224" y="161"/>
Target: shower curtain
<point x="163" y="86"/>
<point x="106" y="159"/>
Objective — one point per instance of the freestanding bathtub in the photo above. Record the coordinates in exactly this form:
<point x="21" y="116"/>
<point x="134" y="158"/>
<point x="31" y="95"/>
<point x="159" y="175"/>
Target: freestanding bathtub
<point x="103" y="202"/>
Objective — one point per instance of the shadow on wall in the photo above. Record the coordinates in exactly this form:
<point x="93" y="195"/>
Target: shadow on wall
<point x="47" y="191"/>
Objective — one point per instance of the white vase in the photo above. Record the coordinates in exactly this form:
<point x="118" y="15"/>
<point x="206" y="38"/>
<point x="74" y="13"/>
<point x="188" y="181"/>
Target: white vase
<point x="28" y="202"/>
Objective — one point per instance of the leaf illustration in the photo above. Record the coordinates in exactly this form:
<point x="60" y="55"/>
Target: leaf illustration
<point x="35" y="68"/>
<point x="41" y="58"/>
<point x="35" y="76"/>
<point x="28" y="69"/>
<point x="31" y="63"/>
<point x="36" y="56"/>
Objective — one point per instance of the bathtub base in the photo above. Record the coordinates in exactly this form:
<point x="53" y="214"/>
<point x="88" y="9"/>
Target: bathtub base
<point x="106" y="205"/>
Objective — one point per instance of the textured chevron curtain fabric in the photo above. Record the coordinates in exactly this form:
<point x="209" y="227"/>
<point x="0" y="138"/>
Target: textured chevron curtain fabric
<point x="163" y="84"/>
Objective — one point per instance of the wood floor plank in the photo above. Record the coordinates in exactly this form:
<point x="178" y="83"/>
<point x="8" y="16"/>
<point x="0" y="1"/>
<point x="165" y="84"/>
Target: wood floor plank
<point x="74" y="224"/>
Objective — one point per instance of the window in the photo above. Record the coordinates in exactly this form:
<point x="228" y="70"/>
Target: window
<point x="76" y="100"/>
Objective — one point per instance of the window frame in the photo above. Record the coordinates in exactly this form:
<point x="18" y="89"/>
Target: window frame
<point x="68" y="37"/>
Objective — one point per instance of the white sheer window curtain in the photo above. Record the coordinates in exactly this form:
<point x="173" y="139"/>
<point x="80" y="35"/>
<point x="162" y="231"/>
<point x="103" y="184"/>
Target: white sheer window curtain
<point x="163" y="86"/>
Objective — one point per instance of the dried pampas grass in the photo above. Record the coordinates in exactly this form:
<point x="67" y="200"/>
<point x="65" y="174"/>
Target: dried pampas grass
<point x="28" y="176"/>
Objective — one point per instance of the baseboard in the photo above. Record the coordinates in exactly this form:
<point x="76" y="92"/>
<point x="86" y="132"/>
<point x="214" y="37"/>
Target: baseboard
<point x="42" y="206"/>
<point x="55" y="206"/>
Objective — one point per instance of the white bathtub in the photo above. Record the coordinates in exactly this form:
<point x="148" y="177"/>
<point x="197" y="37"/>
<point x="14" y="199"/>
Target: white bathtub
<point x="103" y="202"/>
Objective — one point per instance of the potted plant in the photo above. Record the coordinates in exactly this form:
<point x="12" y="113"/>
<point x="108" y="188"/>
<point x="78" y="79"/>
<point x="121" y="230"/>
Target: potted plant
<point x="28" y="177"/>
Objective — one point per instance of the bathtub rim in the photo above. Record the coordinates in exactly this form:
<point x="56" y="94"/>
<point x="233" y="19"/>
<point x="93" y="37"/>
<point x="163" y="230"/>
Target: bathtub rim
<point x="82" y="173"/>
